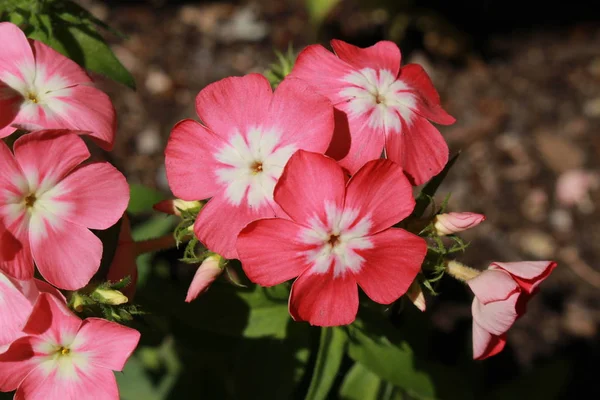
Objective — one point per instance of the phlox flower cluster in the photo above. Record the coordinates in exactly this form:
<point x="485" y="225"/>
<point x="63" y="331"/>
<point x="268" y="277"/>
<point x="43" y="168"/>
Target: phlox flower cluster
<point x="51" y="195"/>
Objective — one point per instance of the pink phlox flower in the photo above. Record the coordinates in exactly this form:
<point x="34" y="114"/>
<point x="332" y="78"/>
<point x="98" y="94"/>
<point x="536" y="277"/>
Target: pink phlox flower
<point x="42" y="89"/>
<point x="49" y="203"/>
<point x="339" y="235"/>
<point x="64" y="358"/>
<point x="237" y="155"/>
<point x="501" y="295"/>
<point x="380" y="106"/>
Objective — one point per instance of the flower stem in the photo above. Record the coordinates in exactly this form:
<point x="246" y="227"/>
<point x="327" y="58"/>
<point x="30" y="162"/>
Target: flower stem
<point x="152" y="245"/>
<point x="460" y="271"/>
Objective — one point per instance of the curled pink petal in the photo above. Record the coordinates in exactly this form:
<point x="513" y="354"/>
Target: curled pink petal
<point x="206" y="274"/>
<point x="446" y="224"/>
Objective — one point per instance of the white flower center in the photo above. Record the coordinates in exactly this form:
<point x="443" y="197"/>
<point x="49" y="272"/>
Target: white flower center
<point x="381" y="97"/>
<point x="251" y="166"/>
<point x="337" y="240"/>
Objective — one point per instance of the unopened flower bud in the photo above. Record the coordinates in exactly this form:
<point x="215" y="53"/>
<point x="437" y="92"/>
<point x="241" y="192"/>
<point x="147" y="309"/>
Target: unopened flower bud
<point x="415" y="294"/>
<point x="207" y="272"/>
<point x="446" y="224"/>
<point x="175" y="206"/>
<point x="110" y="296"/>
<point x="78" y="302"/>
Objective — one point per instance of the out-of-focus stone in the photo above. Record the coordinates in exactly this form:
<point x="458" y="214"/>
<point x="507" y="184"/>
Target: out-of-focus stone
<point x="561" y="220"/>
<point x="535" y="206"/>
<point x="158" y="82"/>
<point x="536" y="243"/>
<point x="579" y="321"/>
<point x="558" y="153"/>
<point x="592" y="108"/>
<point x="148" y="141"/>
<point x="244" y="25"/>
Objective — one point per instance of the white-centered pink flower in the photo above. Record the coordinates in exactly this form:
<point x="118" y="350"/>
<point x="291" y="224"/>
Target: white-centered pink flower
<point x="382" y="107"/>
<point x="42" y="89"/>
<point x="16" y="302"/>
<point x="449" y="223"/>
<point x="237" y="156"/>
<point x="49" y="202"/>
<point x="62" y="357"/>
<point x="501" y="295"/>
<point x="340" y="235"/>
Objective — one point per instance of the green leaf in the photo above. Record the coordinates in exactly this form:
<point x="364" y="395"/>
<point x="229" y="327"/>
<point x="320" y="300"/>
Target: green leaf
<point x="319" y="9"/>
<point x="362" y="384"/>
<point x="142" y="198"/>
<point x="332" y="348"/>
<point x="424" y="198"/>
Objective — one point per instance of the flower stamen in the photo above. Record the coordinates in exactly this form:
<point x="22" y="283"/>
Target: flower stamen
<point x="256" y="167"/>
<point x="30" y="200"/>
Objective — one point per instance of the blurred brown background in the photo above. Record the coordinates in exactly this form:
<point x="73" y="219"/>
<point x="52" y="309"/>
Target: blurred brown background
<point x="523" y="84"/>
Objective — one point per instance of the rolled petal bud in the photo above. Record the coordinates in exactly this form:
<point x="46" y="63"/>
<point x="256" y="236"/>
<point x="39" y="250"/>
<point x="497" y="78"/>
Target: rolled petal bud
<point x="110" y="296"/>
<point x="446" y="224"/>
<point x="415" y="294"/>
<point x="207" y="272"/>
<point x="175" y="206"/>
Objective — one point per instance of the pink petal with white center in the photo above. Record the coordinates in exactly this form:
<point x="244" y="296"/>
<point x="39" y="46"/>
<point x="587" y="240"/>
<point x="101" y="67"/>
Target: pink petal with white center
<point x="391" y="265"/>
<point x="9" y="245"/>
<point x="50" y="381"/>
<point x="528" y="274"/>
<point x="97" y="195"/>
<point x="271" y="251"/>
<point x="323" y="300"/>
<point x="219" y="223"/>
<point x="304" y="117"/>
<point x="498" y="316"/>
<point x="323" y="70"/>
<point x="310" y="181"/>
<point x="485" y="344"/>
<point x="48" y="156"/>
<point x="493" y="285"/>
<point x="428" y="100"/>
<point x="15" y="52"/>
<point x="420" y="149"/>
<point x="190" y="161"/>
<point x="105" y="344"/>
<point x="55" y="71"/>
<point x="380" y="189"/>
<point x="234" y="104"/>
<point x="12" y="182"/>
<point x="15" y="310"/>
<point x="20" y="266"/>
<point x="66" y="254"/>
<point x="382" y="55"/>
<point x="21" y="357"/>
<point x="367" y="135"/>
<point x="52" y="321"/>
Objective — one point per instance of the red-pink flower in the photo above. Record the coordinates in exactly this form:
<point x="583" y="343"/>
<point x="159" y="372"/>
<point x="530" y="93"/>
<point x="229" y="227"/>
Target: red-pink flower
<point x="16" y="302"/>
<point x="501" y="295"/>
<point x="236" y="157"/>
<point x="48" y="202"/>
<point x="386" y="107"/>
<point x="63" y="357"/>
<point x="42" y="89"/>
<point x="339" y="236"/>
<point x="448" y="223"/>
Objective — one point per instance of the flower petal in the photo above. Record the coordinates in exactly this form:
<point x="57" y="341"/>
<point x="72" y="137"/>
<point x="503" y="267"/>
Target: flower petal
<point x="15" y="52"/>
<point x="20" y="266"/>
<point x="380" y="189"/>
<point x="106" y="344"/>
<point x="323" y="300"/>
<point x="528" y="274"/>
<point x="234" y="104"/>
<point x="55" y="71"/>
<point x="428" y="100"/>
<point x="66" y="254"/>
<point x="498" y="316"/>
<point x="190" y="161"/>
<point x="420" y="149"/>
<point x="47" y="156"/>
<point x="97" y="195"/>
<point x="9" y="245"/>
<point x="271" y="252"/>
<point x="304" y="117"/>
<point x="391" y="265"/>
<point x="220" y="222"/>
<point x="52" y="321"/>
<point x="485" y="344"/>
<point x="308" y="182"/>
<point x="382" y="55"/>
<point x="15" y="310"/>
<point x="17" y="362"/>
<point x="493" y="285"/>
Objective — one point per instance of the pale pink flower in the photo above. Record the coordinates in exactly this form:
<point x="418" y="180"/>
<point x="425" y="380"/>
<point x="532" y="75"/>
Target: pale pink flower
<point x="338" y="236"/>
<point x="49" y="202"/>
<point x="501" y="295"/>
<point x="449" y="223"/>
<point x="380" y="106"/>
<point x="206" y="274"/>
<point x="42" y="89"/>
<point x="62" y="357"/>
<point x="237" y="155"/>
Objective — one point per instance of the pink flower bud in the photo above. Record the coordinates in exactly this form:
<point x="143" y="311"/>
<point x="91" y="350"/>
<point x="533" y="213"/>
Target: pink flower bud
<point x="206" y="274"/>
<point x="174" y="206"/>
<point x="453" y="222"/>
